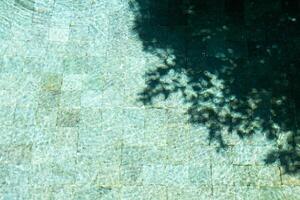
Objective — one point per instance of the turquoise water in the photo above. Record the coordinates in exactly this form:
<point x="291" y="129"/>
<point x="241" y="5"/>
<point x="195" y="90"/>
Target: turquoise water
<point x="72" y="126"/>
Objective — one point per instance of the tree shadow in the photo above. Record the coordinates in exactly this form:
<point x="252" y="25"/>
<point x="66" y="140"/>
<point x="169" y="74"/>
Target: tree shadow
<point x="235" y="64"/>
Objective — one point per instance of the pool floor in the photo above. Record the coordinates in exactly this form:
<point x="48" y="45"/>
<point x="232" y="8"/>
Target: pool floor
<point x="71" y="125"/>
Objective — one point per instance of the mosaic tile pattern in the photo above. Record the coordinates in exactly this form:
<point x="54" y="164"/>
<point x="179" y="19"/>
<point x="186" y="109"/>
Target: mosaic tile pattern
<point x="72" y="128"/>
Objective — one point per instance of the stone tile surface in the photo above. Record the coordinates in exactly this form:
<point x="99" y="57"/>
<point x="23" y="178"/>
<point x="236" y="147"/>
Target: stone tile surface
<point x="71" y="125"/>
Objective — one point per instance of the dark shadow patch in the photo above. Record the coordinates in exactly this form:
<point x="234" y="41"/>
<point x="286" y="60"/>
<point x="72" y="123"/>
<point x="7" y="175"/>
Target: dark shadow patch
<point x="240" y="62"/>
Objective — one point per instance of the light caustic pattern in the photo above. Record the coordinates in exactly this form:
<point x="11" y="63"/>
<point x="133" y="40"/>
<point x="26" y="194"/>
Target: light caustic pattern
<point x="72" y="128"/>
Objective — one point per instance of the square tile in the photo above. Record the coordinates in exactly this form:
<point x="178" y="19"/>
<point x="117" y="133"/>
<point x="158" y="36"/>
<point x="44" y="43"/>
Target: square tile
<point x="46" y="117"/>
<point x="108" y="175"/>
<point x="19" y="154"/>
<point x="155" y="137"/>
<point x="27" y="99"/>
<point x="223" y="174"/>
<point x="53" y="62"/>
<point x="72" y="82"/>
<point x="155" y="118"/>
<point x="6" y="134"/>
<point x="155" y="155"/>
<point x="39" y="192"/>
<point x="113" y="118"/>
<point x="176" y="116"/>
<point x="242" y="176"/>
<point x="224" y="192"/>
<point x="7" y="98"/>
<point x="91" y="99"/>
<point x="68" y="118"/>
<point x="9" y="81"/>
<point x="66" y="137"/>
<point x="86" y="169"/>
<point x="104" y="155"/>
<point x="93" y="82"/>
<point x="49" y="100"/>
<point x="265" y="176"/>
<point x="222" y="156"/>
<point x="112" y="96"/>
<point x="95" y="63"/>
<point x="11" y="64"/>
<point x="98" y="192"/>
<point x="155" y="192"/>
<point x="177" y="175"/>
<point x="178" y="154"/>
<point x="29" y="82"/>
<point x="51" y="82"/>
<point x="134" y="117"/>
<point x="91" y="117"/>
<point x="277" y="193"/>
<point x="200" y="174"/>
<point x="154" y="175"/>
<point x="132" y="155"/>
<point x="144" y="192"/>
<point x="132" y="192"/>
<point x="63" y="192"/>
<point x="189" y="193"/>
<point x="250" y="154"/>
<point x="248" y="192"/>
<point x="133" y="136"/>
<point x="59" y="34"/>
<point x="98" y="139"/>
<point x="24" y="117"/>
<point x="131" y="174"/>
<point x="291" y="192"/>
<point x="74" y="64"/>
<point x="6" y="116"/>
<point x="53" y="173"/>
<point x="178" y="136"/>
<point x="70" y="99"/>
<point x="104" y="147"/>
<point x="201" y="154"/>
<point x="290" y="179"/>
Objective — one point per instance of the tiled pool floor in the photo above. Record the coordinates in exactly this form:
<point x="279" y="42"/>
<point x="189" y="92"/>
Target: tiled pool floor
<point x="72" y="127"/>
